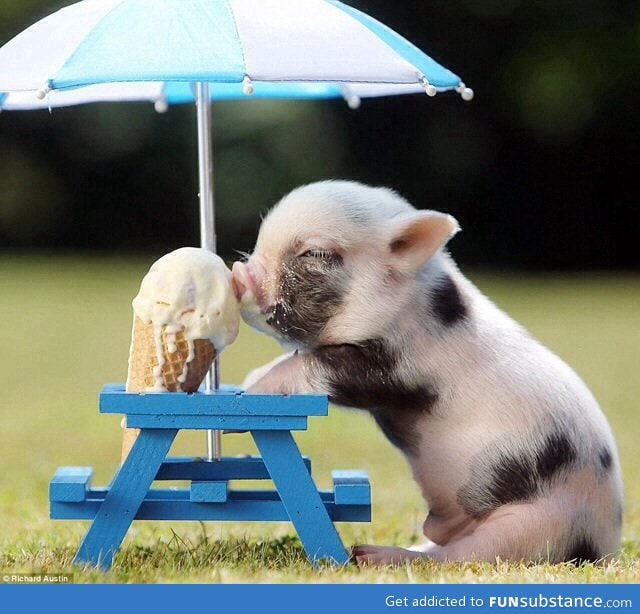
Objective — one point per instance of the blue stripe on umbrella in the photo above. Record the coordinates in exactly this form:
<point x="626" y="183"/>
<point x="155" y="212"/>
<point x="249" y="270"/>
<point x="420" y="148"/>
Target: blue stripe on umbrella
<point x="171" y="45"/>
<point x="177" y="93"/>
<point x="437" y="75"/>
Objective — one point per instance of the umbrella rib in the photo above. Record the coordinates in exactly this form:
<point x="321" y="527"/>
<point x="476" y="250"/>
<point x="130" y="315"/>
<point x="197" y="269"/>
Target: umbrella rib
<point x="235" y="27"/>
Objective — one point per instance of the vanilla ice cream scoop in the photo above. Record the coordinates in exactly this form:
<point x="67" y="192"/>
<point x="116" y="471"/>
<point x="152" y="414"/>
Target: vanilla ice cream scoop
<point x="184" y="315"/>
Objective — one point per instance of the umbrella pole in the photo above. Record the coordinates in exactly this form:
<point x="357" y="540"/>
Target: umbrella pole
<point x="207" y="229"/>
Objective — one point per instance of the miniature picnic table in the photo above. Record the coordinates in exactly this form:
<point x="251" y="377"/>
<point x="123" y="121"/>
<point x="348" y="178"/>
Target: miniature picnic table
<point x="159" y="416"/>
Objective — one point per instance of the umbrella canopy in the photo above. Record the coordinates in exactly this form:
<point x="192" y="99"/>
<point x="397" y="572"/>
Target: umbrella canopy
<point x="150" y="50"/>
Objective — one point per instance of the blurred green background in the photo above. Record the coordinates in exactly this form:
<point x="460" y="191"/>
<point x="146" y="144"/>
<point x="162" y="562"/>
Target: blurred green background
<point x="540" y="169"/>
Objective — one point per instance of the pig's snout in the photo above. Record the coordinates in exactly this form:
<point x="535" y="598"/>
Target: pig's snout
<point x="241" y="280"/>
<point x="248" y="285"/>
<point x="247" y="278"/>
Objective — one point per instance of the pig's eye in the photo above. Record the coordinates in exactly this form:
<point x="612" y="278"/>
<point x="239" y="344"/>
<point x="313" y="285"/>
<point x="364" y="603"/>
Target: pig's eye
<point x="320" y="254"/>
<point x="322" y="257"/>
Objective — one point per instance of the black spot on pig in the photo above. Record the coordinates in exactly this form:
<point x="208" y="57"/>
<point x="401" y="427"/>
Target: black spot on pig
<point x="605" y="458"/>
<point x="446" y="302"/>
<point x="556" y="453"/>
<point x="507" y="478"/>
<point x="310" y="291"/>
<point x="582" y="550"/>
<point x="515" y="472"/>
<point x="401" y="432"/>
<point x="364" y="376"/>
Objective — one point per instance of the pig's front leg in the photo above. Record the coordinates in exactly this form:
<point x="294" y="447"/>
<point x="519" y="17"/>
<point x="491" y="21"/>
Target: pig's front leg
<point x="288" y="375"/>
<point x="257" y="374"/>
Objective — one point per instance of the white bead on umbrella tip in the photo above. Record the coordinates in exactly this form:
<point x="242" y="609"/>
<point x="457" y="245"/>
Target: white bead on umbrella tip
<point x="42" y="92"/>
<point x="247" y="86"/>
<point x="161" y="105"/>
<point x="465" y="92"/>
<point x="428" y="88"/>
<point x="354" y="102"/>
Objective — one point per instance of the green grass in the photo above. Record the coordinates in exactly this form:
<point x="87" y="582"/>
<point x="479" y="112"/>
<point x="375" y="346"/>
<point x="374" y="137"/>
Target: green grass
<point x="65" y="328"/>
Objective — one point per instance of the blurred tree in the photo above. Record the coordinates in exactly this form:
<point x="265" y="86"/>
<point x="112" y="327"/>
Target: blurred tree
<point x="538" y="168"/>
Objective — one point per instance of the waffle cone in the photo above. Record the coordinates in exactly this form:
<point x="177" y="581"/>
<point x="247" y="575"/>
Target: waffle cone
<point x="143" y="360"/>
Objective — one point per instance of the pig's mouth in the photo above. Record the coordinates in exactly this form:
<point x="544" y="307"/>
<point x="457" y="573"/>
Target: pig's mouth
<point x="276" y="317"/>
<point x="270" y="319"/>
<point x="250" y="294"/>
<point x="282" y="318"/>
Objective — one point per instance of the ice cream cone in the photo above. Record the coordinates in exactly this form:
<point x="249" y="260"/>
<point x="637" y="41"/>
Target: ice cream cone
<point x="185" y="314"/>
<point x="181" y="369"/>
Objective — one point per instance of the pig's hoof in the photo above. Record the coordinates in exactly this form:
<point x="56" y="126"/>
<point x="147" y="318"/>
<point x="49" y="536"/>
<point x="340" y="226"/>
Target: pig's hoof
<point x="381" y="555"/>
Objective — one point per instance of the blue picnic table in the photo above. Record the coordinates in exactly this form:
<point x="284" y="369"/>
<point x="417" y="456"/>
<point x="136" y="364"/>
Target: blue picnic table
<point x="159" y="416"/>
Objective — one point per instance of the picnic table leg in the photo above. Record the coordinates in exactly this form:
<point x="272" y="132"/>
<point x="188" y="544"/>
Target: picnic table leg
<point x="300" y="496"/>
<point x="124" y="498"/>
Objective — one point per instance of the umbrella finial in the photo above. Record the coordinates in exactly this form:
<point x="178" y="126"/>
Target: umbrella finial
<point x="428" y="88"/>
<point x="161" y="105"/>
<point x="247" y="86"/>
<point x="43" y="91"/>
<point x="464" y="91"/>
<point x="353" y="100"/>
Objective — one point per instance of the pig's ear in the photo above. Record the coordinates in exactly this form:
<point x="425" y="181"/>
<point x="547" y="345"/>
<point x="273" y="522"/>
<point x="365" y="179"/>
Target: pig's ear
<point x="415" y="239"/>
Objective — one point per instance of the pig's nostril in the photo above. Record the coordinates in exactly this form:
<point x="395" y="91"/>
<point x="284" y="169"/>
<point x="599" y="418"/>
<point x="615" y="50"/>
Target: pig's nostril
<point x="237" y="290"/>
<point x="239" y="279"/>
<point x="245" y="282"/>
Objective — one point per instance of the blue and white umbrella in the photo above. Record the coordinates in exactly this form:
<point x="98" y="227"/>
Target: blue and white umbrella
<point x="175" y="51"/>
<point x="273" y="47"/>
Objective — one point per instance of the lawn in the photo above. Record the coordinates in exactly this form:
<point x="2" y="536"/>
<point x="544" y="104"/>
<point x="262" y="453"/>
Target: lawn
<point x="65" y="323"/>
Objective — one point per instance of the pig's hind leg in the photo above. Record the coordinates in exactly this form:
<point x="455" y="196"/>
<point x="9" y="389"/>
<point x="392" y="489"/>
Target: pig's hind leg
<point x="530" y="532"/>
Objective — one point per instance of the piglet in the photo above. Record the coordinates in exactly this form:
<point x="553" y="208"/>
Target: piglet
<point x="511" y="451"/>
